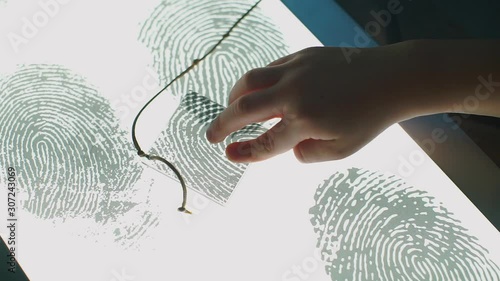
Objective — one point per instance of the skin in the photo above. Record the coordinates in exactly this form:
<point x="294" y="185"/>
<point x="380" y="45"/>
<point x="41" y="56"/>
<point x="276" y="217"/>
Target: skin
<point x="331" y="105"/>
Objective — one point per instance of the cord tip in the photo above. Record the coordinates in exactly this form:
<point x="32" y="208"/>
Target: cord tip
<point x="184" y="210"/>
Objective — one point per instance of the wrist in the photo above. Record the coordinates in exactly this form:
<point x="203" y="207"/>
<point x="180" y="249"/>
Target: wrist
<point x="411" y="83"/>
<point x="451" y="76"/>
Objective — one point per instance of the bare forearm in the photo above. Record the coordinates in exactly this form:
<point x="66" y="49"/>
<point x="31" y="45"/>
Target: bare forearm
<point x="461" y="76"/>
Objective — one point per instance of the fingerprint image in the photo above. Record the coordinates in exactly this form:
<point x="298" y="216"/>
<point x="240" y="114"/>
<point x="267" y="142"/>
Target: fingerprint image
<point x="203" y="165"/>
<point x="179" y="31"/>
<point x="372" y="226"/>
<point x="63" y="138"/>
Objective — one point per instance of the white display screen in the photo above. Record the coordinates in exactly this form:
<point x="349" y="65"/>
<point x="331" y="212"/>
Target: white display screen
<point x="73" y="76"/>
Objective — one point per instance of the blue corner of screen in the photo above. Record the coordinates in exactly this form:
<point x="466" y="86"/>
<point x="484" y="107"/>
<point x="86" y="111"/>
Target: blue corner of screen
<point x="329" y="23"/>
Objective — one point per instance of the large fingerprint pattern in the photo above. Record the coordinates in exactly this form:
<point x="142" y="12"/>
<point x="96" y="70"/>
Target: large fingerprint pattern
<point x="62" y="136"/>
<point x="375" y="227"/>
<point x="179" y="31"/>
<point x="203" y="165"/>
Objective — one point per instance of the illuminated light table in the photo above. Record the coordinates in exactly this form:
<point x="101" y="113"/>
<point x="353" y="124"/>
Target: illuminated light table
<point x="265" y="229"/>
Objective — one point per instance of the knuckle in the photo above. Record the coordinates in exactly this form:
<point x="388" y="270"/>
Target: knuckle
<point x="315" y="49"/>
<point x="242" y="105"/>
<point x="304" y="53"/>
<point x="251" y="77"/>
<point x="307" y="50"/>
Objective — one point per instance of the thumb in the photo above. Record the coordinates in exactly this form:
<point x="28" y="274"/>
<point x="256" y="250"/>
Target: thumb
<point x="311" y="150"/>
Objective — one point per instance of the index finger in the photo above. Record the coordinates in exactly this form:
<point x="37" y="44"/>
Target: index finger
<point x="254" y="107"/>
<point x="254" y="80"/>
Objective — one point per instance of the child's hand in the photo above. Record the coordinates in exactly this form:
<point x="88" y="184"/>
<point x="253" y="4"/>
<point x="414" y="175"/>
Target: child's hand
<point x="329" y="108"/>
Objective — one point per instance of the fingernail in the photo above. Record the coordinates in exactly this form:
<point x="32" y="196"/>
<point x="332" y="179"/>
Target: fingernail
<point x="239" y="151"/>
<point x="299" y="155"/>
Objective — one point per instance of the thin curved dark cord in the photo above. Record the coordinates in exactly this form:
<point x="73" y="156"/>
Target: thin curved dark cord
<point x="195" y="62"/>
